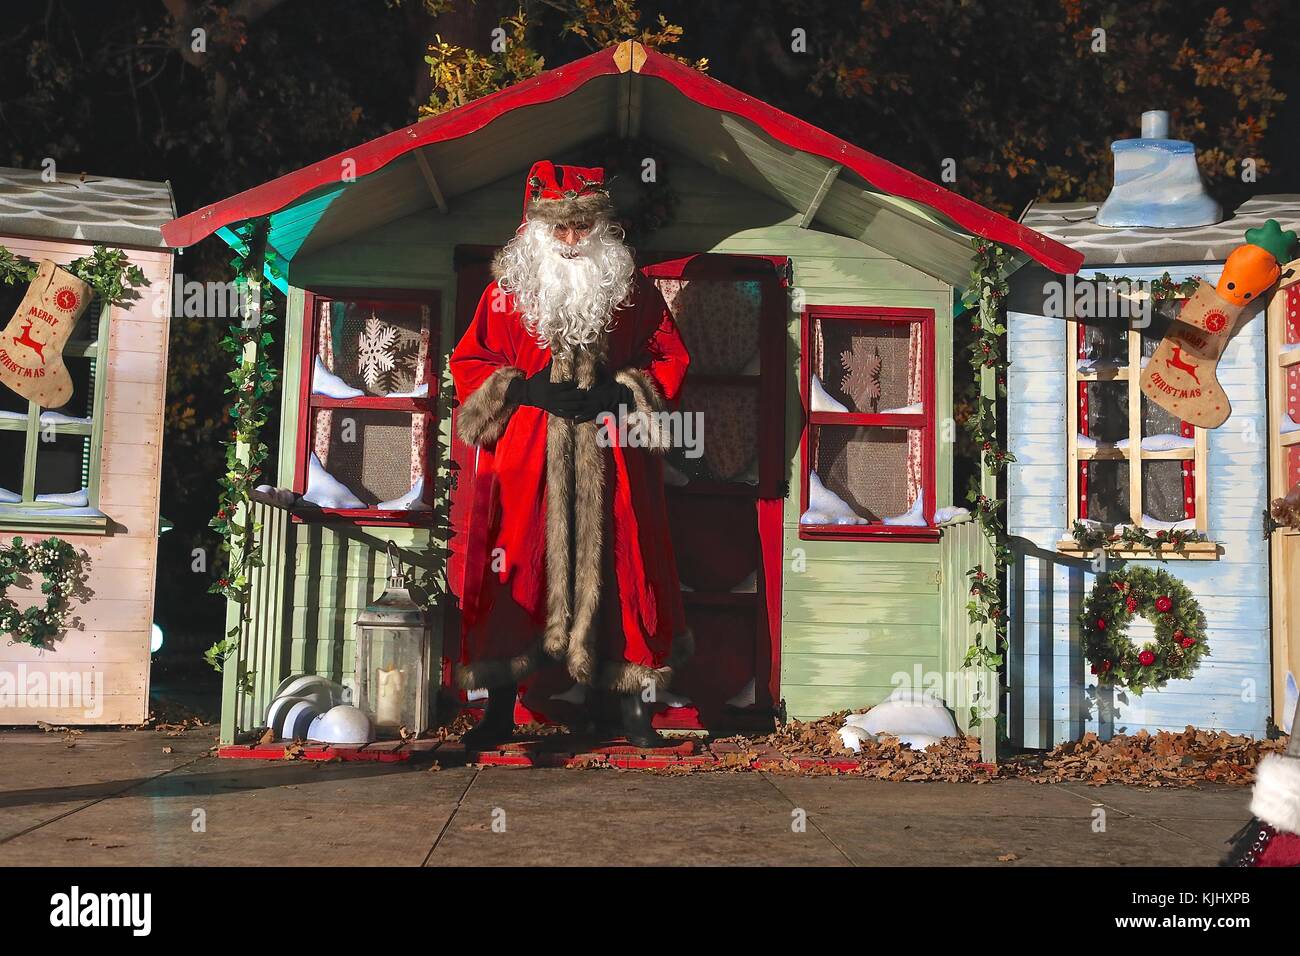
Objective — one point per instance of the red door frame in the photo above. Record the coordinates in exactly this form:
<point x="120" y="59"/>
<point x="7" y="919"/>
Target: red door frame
<point x="769" y="496"/>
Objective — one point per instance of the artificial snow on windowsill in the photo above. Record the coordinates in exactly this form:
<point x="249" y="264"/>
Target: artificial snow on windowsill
<point x="9" y="497"/>
<point x="324" y="382"/>
<point x="1289" y="425"/>
<point x="913" y="517"/>
<point x="915" y="409"/>
<point x="1155" y="524"/>
<point x="421" y="391"/>
<point x="73" y="499"/>
<point x="13" y="416"/>
<point x="326" y="491"/>
<point x="950" y="513"/>
<point x="820" y="400"/>
<point x="411" y="501"/>
<point x="826" y="507"/>
<point x="58" y="418"/>
<point x="1166" y="442"/>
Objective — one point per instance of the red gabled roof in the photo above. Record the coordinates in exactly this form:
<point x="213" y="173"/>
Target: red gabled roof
<point x="555" y="84"/>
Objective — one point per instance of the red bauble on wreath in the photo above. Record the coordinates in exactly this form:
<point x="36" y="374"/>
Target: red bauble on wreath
<point x="1119" y="596"/>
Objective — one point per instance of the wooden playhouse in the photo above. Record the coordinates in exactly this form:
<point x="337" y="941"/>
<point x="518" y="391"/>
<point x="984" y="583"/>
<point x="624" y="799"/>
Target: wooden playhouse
<point x="815" y="285"/>
<point x="1091" y="447"/>
<point x="88" y="471"/>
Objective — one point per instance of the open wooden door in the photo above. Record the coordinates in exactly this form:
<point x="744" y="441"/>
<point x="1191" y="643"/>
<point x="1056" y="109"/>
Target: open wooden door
<point x="725" y="496"/>
<point x="1284" y="474"/>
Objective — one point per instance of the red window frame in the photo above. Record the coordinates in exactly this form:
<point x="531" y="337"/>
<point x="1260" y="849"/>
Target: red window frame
<point x="923" y="422"/>
<point x="308" y="402"/>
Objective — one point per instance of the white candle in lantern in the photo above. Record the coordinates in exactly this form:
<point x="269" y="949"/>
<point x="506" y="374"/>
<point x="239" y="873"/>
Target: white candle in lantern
<point x="388" y="699"/>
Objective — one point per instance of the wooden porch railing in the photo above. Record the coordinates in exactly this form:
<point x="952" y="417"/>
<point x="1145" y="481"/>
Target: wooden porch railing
<point x="1046" y="702"/>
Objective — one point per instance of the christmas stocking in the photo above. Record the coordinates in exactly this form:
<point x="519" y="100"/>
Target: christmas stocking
<point x="1181" y="376"/>
<point x="31" y="346"/>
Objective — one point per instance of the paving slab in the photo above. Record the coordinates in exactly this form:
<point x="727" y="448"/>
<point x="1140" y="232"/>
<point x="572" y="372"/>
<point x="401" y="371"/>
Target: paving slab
<point x="878" y="823"/>
<point x="1210" y="814"/>
<point x="545" y="817"/>
<point x="48" y="775"/>
<point x="215" y="813"/>
<point x="857" y="796"/>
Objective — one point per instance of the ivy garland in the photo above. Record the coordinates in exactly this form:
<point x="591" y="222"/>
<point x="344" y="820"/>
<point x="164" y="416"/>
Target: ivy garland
<point x="251" y="381"/>
<point x="1162" y="289"/>
<point x="1134" y="537"/>
<point x="986" y="293"/>
<point x="1116" y="598"/>
<point x="108" y="271"/>
<point x="60" y="566"/>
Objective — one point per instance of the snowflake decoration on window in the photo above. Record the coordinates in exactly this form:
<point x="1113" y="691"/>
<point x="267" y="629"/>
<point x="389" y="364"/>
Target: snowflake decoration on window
<point x="376" y="351"/>
<point x="861" y="381"/>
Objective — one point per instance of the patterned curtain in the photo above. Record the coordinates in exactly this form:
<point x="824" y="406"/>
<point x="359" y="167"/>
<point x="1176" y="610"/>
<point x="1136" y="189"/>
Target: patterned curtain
<point x="324" y="420"/>
<point x="915" y="438"/>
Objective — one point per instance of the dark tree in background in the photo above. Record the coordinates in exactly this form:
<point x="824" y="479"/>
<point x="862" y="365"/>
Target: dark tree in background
<point x="1016" y="93"/>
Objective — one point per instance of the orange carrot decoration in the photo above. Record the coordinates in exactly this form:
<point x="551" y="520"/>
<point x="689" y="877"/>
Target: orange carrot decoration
<point x="1253" y="267"/>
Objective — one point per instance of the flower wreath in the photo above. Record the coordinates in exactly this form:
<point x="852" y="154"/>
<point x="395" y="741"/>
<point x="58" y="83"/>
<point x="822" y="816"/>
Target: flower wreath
<point x="60" y="565"/>
<point x="1116" y="597"/>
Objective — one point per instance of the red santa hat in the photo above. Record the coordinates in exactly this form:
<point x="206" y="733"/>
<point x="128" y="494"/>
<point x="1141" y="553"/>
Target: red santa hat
<point x="560" y="194"/>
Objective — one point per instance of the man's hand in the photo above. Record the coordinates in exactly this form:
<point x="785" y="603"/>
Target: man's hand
<point x="564" y="399"/>
<point x="605" y="396"/>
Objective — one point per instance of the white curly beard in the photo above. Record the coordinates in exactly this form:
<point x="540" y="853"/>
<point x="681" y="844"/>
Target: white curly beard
<point x="566" y="294"/>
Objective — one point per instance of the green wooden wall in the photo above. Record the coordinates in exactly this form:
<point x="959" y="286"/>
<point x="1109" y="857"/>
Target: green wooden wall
<point x="854" y="613"/>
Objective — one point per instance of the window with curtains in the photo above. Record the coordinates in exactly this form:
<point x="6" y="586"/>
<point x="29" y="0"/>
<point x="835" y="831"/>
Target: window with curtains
<point x="868" y="450"/>
<point x="367" y="411"/>
<point x="1131" y="462"/>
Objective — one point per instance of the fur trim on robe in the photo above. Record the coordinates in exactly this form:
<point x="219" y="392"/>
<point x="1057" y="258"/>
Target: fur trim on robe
<point x="484" y="415"/>
<point x="649" y="409"/>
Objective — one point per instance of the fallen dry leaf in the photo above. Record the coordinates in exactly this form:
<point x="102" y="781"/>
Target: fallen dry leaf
<point x="1008" y="857"/>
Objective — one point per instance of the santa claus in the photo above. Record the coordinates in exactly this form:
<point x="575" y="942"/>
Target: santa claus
<point x="568" y="558"/>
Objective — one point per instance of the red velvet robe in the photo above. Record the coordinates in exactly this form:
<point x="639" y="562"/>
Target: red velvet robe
<point x="597" y="588"/>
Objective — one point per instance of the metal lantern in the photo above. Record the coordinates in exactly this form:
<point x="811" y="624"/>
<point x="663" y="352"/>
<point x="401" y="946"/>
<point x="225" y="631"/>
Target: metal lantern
<point x="393" y="657"/>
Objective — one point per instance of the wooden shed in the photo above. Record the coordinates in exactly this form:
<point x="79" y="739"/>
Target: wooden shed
<point x="88" y="472"/>
<point x="1090" y="446"/>
<point x="815" y="285"/>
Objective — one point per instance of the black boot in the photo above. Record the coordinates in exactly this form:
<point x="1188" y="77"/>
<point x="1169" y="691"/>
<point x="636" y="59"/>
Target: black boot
<point x="636" y="723"/>
<point x="498" y="723"/>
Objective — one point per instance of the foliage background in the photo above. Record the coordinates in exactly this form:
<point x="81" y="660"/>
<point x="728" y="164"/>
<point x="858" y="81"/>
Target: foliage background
<point x="1012" y="91"/>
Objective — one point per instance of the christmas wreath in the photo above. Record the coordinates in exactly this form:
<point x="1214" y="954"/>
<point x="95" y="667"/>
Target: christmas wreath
<point x="1118" y="596"/>
<point x="60" y="565"/>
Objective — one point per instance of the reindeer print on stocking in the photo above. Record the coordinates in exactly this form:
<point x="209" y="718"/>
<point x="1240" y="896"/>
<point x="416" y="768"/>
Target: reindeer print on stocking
<point x="31" y="346"/>
<point x="1181" y="377"/>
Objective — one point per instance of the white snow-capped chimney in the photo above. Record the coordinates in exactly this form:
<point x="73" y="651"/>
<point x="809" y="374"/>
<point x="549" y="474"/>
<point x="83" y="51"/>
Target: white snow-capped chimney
<point x="1157" y="182"/>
